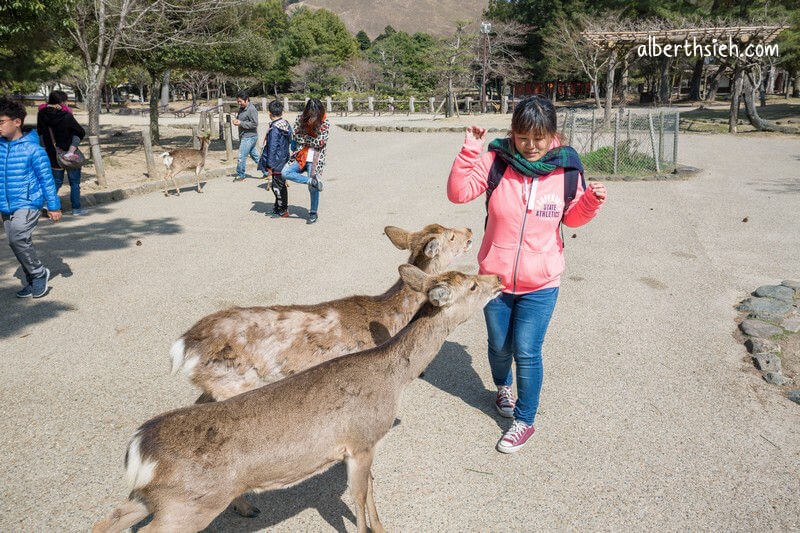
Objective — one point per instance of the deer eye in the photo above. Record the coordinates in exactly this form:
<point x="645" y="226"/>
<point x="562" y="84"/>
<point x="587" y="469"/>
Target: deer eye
<point x="474" y="286"/>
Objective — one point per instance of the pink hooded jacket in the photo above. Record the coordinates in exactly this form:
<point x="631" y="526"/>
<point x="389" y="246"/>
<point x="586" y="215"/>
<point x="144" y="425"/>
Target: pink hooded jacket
<point x="521" y="243"/>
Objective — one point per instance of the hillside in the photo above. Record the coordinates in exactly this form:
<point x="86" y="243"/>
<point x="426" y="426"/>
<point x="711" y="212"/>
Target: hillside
<point x="431" y="16"/>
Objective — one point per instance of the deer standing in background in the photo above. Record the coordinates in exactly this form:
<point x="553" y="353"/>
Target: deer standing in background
<point x="185" y="466"/>
<point x="183" y="159"/>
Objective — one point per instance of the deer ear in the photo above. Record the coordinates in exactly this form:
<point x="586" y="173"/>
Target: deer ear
<point x="415" y="278"/>
<point x="433" y="247"/>
<point x="441" y="295"/>
<point x="399" y="237"/>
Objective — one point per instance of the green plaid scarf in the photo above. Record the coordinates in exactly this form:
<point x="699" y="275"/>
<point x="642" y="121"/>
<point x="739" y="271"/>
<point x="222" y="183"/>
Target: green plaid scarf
<point x="563" y="156"/>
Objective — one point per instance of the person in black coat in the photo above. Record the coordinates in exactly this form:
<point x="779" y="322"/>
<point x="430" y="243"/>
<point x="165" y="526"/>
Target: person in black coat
<point x="275" y="155"/>
<point x="56" y="126"/>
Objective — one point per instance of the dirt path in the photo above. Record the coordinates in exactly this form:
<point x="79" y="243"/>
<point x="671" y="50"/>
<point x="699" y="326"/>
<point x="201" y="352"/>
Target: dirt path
<point x="649" y="417"/>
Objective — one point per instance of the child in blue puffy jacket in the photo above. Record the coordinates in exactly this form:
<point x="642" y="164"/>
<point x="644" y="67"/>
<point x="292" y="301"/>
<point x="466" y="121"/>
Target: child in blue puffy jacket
<point x="26" y="183"/>
<point x="275" y="156"/>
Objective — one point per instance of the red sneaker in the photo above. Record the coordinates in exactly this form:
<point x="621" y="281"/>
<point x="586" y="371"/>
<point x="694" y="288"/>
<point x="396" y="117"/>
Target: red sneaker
<point x="504" y="402"/>
<point x="515" y="438"/>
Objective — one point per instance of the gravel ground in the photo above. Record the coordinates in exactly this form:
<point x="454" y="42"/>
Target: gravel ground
<point x="650" y="417"/>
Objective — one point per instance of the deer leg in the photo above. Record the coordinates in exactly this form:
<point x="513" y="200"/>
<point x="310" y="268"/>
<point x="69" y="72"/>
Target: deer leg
<point x="175" y="182"/>
<point x="167" y="176"/>
<point x="183" y="518"/>
<point x="374" y="522"/>
<point x="197" y="172"/>
<point x="121" y="518"/>
<point x="244" y="507"/>
<point x="358" y="472"/>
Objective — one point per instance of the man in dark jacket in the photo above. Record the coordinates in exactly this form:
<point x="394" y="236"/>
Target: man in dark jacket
<point x="275" y="155"/>
<point x="57" y="126"/>
<point x="25" y="183"/>
<point x="247" y="122"/>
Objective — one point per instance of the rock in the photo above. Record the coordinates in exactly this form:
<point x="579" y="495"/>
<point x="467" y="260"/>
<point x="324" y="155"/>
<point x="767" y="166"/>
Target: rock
<point x="779" y="292"/>
<point x="757" y="345"/>
<point x="794" y="395"/>
<point x="791" y="324"/>
<point x="776" y="378"/>
<point x="792" y="285"/>
<point x="768" y="362"/>
<point x="765" y="308"/>
<point x="757" y="328"/>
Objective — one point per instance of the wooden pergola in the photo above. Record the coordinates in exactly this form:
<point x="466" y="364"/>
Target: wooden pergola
<point x="619" y="43"/>
<point x="743" y="34"/>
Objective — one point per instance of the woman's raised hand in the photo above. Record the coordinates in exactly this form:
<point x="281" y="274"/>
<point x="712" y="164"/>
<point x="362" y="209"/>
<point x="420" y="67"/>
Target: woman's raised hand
<point x="476" y="133"/>
<point x="598" y="189"/>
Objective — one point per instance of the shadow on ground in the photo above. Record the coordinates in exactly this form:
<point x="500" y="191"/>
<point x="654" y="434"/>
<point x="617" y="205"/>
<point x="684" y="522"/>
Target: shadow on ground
<point x="322" y="493"/>
<point x="57" y="245"/>
<point x="265" y="208"/>
<point x="452" y="372"/>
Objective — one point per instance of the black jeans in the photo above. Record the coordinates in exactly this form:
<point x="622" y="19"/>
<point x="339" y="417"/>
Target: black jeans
<point x="280" y="192"/>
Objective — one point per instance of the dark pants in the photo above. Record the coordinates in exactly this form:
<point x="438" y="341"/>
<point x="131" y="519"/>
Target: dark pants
<point x="74" y="176"/>
<point x="19" y="227"/>
<point x="280" y="192"/>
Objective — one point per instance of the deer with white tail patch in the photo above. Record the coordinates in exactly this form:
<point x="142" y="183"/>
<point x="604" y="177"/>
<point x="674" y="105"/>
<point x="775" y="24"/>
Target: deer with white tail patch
<point x="187" y="465"/>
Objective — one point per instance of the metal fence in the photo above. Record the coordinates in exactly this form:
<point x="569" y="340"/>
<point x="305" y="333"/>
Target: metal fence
<point x="630" y="143"/>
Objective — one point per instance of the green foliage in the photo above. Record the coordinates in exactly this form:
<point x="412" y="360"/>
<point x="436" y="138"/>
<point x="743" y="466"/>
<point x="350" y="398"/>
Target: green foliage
<point x="405" y="61"/>
<point x="23" y="19"/>
<point x="268" y="19"/>
<point x="318" y="35"/>
<point x="363" y="40"/>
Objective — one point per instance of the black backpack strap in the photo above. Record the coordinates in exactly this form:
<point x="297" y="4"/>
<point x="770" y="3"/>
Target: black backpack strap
<point x="496" y="171"/>
<point x="571" y="179"/>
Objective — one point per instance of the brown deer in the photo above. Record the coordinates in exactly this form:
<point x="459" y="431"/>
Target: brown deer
<point x="183" y="159"/>
<point x="238" y="349"/>
<point x="187" y="465"/>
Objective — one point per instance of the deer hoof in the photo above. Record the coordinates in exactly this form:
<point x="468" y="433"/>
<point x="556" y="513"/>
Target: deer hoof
<point x="246" y="509"/>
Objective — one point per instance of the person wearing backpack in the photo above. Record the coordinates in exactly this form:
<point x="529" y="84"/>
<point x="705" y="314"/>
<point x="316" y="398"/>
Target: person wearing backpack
<point x="58" y="128"/>
<point x="532" y="183"/>
<point x="274" y="157"/>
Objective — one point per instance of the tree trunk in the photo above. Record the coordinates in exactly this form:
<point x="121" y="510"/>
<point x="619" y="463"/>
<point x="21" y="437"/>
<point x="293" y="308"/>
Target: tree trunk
<point x="155" y="92"/>
<point x="773" y="72"/>
<point x="596" y="90"/>
<point x="749" y="91"/>
<point x="736" y="91"/>
<point x="450" y="103"/>
<point x="623" y="86"/>
<point x="796" y="86"/>
<point x="712" y="92"/>
<point x="697" y="78"/>
<point x="664" y="89"/>
<point x="164" y="89"/>
<point x="612" y="68"/>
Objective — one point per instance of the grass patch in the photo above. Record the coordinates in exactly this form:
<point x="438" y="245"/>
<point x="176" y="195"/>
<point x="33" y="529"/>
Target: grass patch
<point x="629" y="162"/>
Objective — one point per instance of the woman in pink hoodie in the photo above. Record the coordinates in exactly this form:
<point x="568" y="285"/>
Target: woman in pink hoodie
<point x="534" y="184"/>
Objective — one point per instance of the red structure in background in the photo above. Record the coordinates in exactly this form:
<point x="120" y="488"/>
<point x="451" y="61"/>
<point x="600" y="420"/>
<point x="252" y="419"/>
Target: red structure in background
<point x="565" y="89"/>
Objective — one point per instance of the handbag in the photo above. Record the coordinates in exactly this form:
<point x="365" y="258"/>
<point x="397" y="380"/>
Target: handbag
<point x="77" y="161"/>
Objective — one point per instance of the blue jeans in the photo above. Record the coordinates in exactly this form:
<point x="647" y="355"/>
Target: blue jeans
<point x="516" y="324"/>
<point x="293" y="172"/>
<point x="247" y="146"/>
<point x="74" y="176"/>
